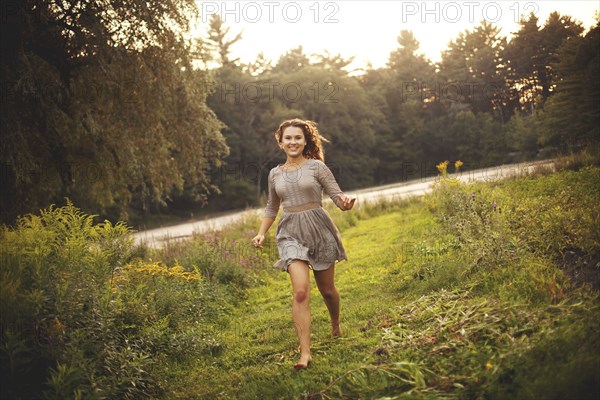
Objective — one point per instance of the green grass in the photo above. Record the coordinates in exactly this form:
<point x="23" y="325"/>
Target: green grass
<point x="427" y="312"/>
<point x="483" y="291"/>
<point x="261" y="342"/>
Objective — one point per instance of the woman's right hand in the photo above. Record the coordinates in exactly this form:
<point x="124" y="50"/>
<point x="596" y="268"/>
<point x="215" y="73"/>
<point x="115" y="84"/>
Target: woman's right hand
<point x="258" y="240"/>
<point x="348" y="203"/>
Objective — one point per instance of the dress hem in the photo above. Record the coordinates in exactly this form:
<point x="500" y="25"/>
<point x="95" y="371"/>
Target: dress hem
<point x="282" y="266"/>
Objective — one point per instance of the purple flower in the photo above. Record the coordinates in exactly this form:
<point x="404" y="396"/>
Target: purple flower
<point x="494" y="206"/>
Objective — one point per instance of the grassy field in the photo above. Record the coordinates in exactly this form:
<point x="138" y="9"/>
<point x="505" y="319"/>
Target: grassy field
<point x="483" y="291"/>
<point x="451" y="296"/>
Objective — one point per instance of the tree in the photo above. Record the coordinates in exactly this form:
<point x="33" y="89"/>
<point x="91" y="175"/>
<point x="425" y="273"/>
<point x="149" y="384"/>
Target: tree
<point x="219" y="42"/>
<point x="251" y="110"/>
<point x="340" y="106"/>
<point x="331" y="61"/>
<point x="408" y="50"/>
<point x="404" y="87"/>
<point x="473" y="65"/>
<point x="521" y="55"/>
<point x="531" y="54"/>
<point x="556" y="30"/>
<point x="292" y="61"/>
<point x="103" y="107"/>
<point x="246" y="104"/>
<point x="523" y="133"/>
<point x="479" y="139"/>
<point x="572" y="116"/>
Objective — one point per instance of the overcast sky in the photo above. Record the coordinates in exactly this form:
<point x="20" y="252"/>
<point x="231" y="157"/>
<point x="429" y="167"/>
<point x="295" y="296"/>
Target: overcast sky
<point x="368" y="30"/>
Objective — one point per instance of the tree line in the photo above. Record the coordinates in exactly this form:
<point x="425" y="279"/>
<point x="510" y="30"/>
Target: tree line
<point x="116" y="108"/>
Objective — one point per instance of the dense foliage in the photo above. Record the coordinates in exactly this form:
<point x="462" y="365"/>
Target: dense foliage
<point x="104" y="106"/>
<point x="477" y="290"/>
<point x="486" y="290"/>
<point x="489" y="101"/>
<point x="84" y="316"/>
<point x="115" y="107"/>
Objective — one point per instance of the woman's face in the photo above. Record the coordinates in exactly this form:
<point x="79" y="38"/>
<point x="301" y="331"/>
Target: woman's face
<point x="293" y="141"/>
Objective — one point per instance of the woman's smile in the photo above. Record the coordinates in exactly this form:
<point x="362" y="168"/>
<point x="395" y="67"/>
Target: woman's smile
<point x="293" y="141"/>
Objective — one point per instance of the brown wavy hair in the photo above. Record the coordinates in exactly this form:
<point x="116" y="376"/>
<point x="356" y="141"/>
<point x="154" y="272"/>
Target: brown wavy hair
<point x="314" y="140"/>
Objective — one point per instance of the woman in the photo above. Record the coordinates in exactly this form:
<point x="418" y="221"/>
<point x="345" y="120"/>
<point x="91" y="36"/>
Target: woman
<point x="306" y="236"/>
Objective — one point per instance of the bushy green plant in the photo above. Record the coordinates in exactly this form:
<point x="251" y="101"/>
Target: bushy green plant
<point x="575" y="161"/>
<point x="503" y="226"/>
<point x="557" y="212"/>
<point x="563" y="364"/>
<point x="81" y="319"/>
<point x="56" y="273"/>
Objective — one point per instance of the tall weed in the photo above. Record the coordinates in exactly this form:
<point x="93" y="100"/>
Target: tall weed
<point x="81" y="318"/>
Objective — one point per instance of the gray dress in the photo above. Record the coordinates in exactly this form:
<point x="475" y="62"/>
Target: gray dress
<point x="305" y="230"/>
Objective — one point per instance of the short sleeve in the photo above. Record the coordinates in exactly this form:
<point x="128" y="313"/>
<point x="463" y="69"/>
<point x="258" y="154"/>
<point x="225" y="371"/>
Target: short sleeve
<point x="329" y="184"/>
<point x="273" y="200"/>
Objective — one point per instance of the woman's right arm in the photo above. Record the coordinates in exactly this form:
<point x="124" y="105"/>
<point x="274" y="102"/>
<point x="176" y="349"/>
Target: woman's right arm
<point x="258" y="240"/>
<point x="271" y="211"/>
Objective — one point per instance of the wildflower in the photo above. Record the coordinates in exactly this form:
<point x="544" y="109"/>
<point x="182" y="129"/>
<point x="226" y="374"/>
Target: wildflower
<point x="177" y="269"/>
<point x="56" y="331"/>
<point x="58" y="326"/>
<point x="489" y="366"/>
<point x="457" y="165"/>
<point x="472" y="196"/>
<point x="494" y="206"/>
<point x="442" y="167"/>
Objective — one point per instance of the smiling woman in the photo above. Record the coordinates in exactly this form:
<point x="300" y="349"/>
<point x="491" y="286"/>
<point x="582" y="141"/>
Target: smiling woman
<point x="306" y="236"/>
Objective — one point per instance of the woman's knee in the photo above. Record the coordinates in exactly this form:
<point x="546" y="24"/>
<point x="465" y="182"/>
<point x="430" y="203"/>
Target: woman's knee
<point x="329" y="293"/>
<point x="301" y="295"/>
<point x="298" y="271"/>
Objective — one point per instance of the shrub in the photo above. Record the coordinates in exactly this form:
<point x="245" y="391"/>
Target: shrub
<point x="507" y="229"/>
<point x="81" y="318"/>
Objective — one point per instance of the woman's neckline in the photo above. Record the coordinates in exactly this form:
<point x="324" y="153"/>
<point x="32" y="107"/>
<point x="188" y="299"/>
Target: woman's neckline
<point x="301" y="165"/>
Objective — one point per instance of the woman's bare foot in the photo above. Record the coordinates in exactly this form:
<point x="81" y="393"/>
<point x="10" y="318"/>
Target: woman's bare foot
<point x="304" y="361"/>
<point x="336" y="331"/>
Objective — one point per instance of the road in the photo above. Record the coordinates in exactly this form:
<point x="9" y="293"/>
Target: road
<point x="156" y="237"/>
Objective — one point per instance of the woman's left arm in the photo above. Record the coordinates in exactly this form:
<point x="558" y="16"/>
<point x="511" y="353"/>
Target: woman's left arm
<point x="332" y="189"/>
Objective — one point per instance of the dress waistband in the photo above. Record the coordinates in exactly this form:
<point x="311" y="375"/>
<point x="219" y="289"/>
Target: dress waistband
<point x="302" y="207"/>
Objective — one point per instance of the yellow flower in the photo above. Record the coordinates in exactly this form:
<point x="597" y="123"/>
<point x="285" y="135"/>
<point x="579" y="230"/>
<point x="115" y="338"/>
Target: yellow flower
<point x="457" y="165"/>
<point x="489" y="366"/>
<point x="177" y="268"/>
<point x="442" y="167"/>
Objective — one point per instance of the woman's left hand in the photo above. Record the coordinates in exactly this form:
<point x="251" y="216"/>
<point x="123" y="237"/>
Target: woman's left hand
<point x="257" y="241"/>
<point x="348" y="202"/>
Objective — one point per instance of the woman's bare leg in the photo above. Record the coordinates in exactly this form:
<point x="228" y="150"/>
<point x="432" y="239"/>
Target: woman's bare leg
<point x="299" y="275"/>
<point x="331" y="296"/>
